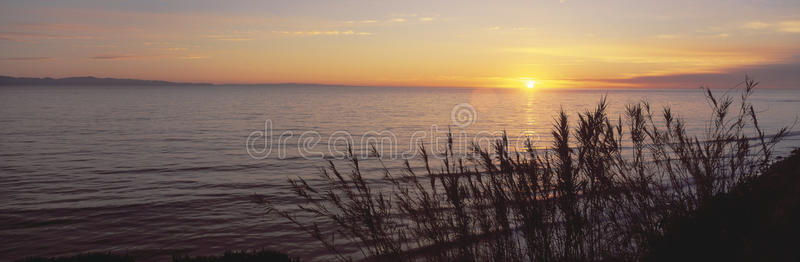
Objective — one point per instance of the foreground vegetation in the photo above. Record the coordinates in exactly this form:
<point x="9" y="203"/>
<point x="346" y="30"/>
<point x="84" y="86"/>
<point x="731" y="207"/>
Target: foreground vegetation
<point x="757" y="221"/>
<point x="591" y="196"/>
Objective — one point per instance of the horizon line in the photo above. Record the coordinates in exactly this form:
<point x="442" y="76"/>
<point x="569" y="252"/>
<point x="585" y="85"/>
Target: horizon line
<point x="167" y="82"/>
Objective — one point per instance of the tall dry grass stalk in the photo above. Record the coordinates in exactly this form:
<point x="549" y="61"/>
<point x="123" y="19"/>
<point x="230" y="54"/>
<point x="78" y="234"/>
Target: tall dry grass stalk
<point x="593" y="195"/>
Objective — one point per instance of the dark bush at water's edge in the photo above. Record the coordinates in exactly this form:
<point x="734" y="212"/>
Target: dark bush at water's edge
<point x="757" y="221"/>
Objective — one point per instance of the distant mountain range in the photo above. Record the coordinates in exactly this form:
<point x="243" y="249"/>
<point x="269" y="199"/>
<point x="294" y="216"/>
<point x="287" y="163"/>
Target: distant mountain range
<point x="85" y="81"/>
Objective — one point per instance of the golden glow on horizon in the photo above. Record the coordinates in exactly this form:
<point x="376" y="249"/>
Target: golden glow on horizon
<point x="471" y="45"/>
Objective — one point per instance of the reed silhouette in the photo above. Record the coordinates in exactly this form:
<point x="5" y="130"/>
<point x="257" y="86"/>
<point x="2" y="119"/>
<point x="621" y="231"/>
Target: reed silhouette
<point x="606" y="189"/>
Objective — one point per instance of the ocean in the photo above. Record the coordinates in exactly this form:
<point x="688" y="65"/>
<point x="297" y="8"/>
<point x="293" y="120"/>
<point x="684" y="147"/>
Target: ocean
<point x="173" y="169"/>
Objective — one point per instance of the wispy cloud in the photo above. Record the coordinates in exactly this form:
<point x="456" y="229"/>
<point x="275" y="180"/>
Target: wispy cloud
<point x="322" y="33"/>
<point x="117" y="57"/>
<point x="152" y="56"/>
<point x="779" y="75"/>
<point x="395" y="19"/>
<point x="522" y="28"/>
<point x="756" y="25"/>
<point x="191" y="57"/>
<point x="157" y="43"/>
<point x="511" y="30"/>
<point x="787" y="26"/>
<point x="235" y="39"/>
<point x="368" y="21"/>
<point x="26" y="58"/>
<point x="666" y="36"/>
<point x="229" y="38"/>
<point x="27" y="37"/>
<point x="56" y="27"/>
<point x="653" y="60"/>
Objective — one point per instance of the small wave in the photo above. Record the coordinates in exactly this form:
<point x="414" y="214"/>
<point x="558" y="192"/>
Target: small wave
<point x="226" y="168"/>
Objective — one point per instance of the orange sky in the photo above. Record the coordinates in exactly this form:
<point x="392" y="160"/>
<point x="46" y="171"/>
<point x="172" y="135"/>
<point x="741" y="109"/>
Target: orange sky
<point x="407" y="43"/>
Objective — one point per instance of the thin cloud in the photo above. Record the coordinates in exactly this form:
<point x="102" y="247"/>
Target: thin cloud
<point x="515" y="29"/>
<point x="135" y="57"/>
<point x="322" y="33"/>
<point x="666" y="36"/>
<point x="157" y="43"/>
<point x="756" y="25"/>
<point x="117" y="57"/>
<point x="229" y="38"/>
<point x="368" y="21"/>
<point x="777" y="75"/>
<point x="27" y="37"/>
<point x="396" y="19"/>
<point x="235" y="39"/>
<point x="788" y="26"/>
<point x="26" y="58"/>
<point x="653" y="60"/>
<point x="193" y="57"/>
<point x="56" y="27"/>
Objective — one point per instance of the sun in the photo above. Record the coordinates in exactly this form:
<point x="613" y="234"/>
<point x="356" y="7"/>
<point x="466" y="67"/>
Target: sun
<point x="530" y="83"/>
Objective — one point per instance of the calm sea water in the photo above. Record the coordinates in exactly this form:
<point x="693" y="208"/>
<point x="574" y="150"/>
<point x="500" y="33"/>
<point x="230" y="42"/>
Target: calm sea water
<point x="163" y="170"/>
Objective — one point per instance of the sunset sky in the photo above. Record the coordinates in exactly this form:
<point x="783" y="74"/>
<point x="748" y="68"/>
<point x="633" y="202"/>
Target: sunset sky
<point x="567" y="43"/>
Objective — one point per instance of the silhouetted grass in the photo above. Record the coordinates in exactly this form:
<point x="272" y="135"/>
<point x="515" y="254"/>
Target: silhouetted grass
<point x="592" y="195"/>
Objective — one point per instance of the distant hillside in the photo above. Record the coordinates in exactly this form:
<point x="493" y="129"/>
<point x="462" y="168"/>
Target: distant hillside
<point x="85" y="81"/>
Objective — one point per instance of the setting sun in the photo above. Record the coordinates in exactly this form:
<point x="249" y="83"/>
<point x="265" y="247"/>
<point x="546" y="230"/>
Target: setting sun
<point x="530" y="84"/>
